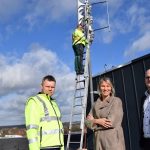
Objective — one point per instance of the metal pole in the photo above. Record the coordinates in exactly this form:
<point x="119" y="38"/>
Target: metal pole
<point x="89" y="62"/>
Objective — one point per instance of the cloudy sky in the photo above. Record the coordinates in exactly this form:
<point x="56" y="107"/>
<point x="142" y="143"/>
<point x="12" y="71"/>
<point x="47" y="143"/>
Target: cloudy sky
<point x="35" y="40"/>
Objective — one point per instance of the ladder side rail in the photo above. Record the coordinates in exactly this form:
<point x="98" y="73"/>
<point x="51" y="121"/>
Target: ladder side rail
<point x="86" y="75"/>
<point x="71" y="117"/>
<point x="86" y="68"/>
<point x="77" y="97"/>
<point x="84" y="111"/>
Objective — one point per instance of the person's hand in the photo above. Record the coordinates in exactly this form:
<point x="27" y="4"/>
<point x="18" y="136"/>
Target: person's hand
<point x="104" y="122"/>
<point x="85" y="129"/>
<point x="91" y="120"/>
<point x="90" y="117"/>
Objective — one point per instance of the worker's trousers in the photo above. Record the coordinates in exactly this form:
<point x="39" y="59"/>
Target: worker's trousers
<point x="78" y="51"/>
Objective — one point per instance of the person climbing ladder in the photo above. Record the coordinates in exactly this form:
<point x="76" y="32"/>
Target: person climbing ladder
<point x="78" y="43"/>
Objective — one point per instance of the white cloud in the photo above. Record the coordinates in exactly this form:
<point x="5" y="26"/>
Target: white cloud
<point x="46" y="9"/>
<point x="8" y="9"/>
<point x="23" y="13"/>
<point x="21" y="78"/>
<point x="140" y="44"/>
<point x="49" y="10"/>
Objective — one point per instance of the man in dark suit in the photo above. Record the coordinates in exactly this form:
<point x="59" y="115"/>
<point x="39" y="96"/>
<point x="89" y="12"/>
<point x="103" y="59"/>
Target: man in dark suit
<point x="145" y="115"/>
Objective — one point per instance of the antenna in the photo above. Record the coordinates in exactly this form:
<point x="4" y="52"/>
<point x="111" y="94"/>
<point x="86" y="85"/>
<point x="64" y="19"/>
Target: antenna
<point x="107" y="12"/>
<point x="108" y="16"/>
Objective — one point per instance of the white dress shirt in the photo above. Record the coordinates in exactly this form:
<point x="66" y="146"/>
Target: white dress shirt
<point x="146" y="119"/>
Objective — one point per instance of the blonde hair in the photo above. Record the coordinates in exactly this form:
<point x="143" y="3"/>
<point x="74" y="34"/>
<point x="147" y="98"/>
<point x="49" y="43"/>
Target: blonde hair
<point x="106" y="79"/>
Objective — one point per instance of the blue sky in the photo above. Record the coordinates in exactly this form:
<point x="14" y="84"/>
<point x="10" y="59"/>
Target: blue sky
<point x="35" y="40"/>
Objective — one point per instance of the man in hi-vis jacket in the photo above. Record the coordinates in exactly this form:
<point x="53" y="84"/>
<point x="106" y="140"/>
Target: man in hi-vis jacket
<point x="43" y="119"/>
<point x="78" y="43"/>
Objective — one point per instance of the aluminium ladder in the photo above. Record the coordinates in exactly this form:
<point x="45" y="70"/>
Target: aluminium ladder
<point x="78" y="111"/>
<point x="83" y="82"/>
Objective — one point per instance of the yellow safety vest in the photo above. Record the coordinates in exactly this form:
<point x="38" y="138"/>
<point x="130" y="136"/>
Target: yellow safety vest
<point x="78" y="37"/>
<point x="44" y="127"/>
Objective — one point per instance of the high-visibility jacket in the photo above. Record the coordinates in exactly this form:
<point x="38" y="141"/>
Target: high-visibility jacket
<point x="44" y="127"/>
<point x="78" y="37"/>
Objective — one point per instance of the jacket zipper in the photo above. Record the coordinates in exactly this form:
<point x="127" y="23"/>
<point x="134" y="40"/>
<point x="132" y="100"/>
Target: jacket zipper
<point x="40" y="135"/>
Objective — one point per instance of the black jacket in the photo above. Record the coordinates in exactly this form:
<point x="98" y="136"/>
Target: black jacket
<point x="143" y="140"/>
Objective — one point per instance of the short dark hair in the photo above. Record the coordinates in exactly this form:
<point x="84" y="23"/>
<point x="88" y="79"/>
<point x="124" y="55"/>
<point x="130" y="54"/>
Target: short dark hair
<point x="49" y="78"/>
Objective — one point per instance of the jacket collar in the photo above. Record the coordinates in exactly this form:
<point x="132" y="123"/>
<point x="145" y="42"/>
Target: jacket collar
<point x="45" y="95"/>
<point x="147" y="93"/>
<point x="105" y="103"/>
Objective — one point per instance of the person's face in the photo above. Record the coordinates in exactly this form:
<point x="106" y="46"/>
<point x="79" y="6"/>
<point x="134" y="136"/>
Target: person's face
<point x="105" y="89"/>
<point x="147" y="79"/>
<point x="48" y="87"/>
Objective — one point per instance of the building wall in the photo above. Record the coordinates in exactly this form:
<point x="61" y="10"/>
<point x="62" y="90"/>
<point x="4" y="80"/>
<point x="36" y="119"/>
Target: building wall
<point x="13" y="144"/>
<point x="129" y="85"/>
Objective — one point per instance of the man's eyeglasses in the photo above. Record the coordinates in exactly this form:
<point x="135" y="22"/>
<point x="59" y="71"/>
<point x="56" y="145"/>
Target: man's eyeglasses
<point x="147" y="77"/>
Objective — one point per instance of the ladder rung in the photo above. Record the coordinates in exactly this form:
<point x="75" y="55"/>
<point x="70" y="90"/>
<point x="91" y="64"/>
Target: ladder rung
<point x="80" y="88"/>
<point x="78" y="81"/>
<point x="75" y="132"/>
<point x="76" y="114"/>
<point x="79" y="96"/>
<point x="75" y="142"/>
<point x="79" y="75"/>
<point x="73" y="123"/>
<point x="77" y="105"/>
<point x="78" y="131"/>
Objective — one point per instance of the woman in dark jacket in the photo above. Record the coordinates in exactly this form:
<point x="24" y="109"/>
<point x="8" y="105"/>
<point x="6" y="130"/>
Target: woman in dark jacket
<point x="106" y="116"/>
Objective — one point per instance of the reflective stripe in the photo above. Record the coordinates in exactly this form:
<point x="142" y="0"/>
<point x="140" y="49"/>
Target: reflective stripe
<point x="32" y="126"/>
<point x="49" y="118"/>
<point x="46" y="117"/>
<point x="55" y="131"/>
<point x="33" y="140"/>
<point x="44" y="105"/>
<point x="79" y="37"/>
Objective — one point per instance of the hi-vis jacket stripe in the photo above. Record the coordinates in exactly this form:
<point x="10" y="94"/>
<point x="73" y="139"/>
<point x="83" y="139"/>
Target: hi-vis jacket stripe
<point x="79" y="38"/>
<point x="46" y="117"/>
<point x="33" y="140"/>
